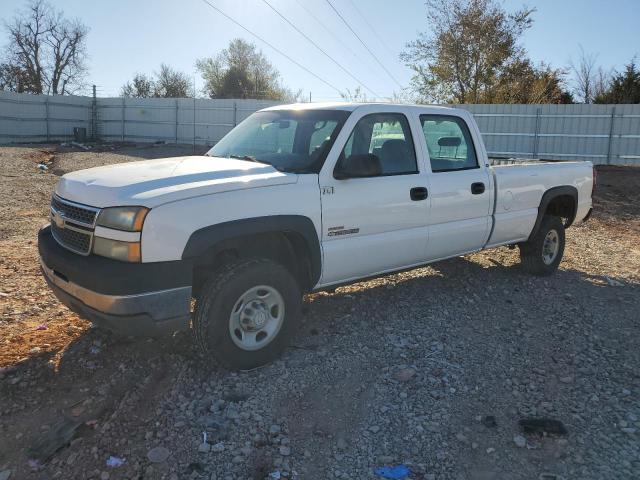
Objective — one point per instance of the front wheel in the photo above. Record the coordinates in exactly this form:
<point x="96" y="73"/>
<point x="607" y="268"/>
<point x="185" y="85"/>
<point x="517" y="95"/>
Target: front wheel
<point x="542" y="254"/>
<point x="246" y="313"/>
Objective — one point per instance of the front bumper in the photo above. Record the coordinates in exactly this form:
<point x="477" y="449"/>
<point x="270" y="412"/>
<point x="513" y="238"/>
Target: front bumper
<point x="134" y="310"/>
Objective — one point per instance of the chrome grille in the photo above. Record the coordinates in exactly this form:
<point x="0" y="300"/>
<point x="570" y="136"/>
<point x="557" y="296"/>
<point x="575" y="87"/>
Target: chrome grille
<point x="72" y="224"/>
<point x="73" y="211"/>
<point x="72" y="239"/>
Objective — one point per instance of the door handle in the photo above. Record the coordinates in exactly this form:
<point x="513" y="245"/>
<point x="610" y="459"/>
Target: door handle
<point x="418" y="193"/>
<point x="477" y="188"/>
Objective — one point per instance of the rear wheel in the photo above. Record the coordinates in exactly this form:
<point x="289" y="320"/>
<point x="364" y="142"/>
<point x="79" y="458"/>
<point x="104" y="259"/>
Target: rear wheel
<point x="246" y="313"/>
<point x="542" y="254"/>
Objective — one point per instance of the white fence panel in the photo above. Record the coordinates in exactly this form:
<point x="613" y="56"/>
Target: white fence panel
<point x="600" y="133"/>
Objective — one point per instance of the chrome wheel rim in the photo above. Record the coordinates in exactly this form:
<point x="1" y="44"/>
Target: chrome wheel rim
<point x="256" y="317"/>
<point x="550" y="247"/>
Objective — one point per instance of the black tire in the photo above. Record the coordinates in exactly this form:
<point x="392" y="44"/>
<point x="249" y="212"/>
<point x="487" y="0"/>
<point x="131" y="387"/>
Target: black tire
<point x="532" y="251"/>
<point x="219" y="296"/>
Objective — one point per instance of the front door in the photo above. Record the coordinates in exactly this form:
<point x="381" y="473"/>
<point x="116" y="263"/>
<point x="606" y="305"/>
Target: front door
<point x="377" y="223"/>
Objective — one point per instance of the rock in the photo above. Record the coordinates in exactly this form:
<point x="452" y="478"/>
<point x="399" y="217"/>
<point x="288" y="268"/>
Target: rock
<point x="405" y="374"/>
<point x="237" y="459"/>
<point x="566" y="379"/>
<point x="489" y="421"/>
<point x="158" y="454"/>
<point x="274" y="429"/>
<point x="285" y="451"/>
<point x="520" y="441"/>
<point x="72" y="458"/>
<point x="218" y="447"/>
<point x="104" y="476"/>
<point x="5" y="474"/>
<point x="341" y="444"/>
<point x="374" y="429"/>
<point x="629" y="430"/>
<point x="204" y="447"/>
<point x="385" y="459"/>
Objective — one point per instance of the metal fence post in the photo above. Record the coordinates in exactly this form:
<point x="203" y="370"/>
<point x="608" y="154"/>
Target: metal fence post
<point x="176" y="133"/>
<point x="613" y="119"/>
<point x="235" y="114"/>
<point x="122" y="117"/>
<point x="46" y="113"/>
<point x="536" y="135"/>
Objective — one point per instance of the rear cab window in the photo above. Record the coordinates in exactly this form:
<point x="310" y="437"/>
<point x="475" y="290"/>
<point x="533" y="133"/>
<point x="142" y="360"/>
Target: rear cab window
<point x="449" y="143"/>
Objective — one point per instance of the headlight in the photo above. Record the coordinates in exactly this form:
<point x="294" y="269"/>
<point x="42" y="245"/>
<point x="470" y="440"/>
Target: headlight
<point x="123" y="251"/>
<point x="129" y="219"/>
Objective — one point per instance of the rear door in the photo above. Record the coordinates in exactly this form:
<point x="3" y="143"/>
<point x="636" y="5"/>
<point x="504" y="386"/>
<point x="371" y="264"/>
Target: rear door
<point x="379" y="223"/>
<point x="461" y="188"/>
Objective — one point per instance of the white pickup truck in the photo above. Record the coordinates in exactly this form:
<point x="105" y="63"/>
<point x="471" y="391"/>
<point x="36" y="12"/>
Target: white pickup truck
<point x="296" y="198"/>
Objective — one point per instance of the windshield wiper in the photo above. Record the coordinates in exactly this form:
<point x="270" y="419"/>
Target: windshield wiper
<point x="248" y="158"/>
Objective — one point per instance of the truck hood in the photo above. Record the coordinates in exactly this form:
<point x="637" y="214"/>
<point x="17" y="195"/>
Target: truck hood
<point x="153" y="182"/>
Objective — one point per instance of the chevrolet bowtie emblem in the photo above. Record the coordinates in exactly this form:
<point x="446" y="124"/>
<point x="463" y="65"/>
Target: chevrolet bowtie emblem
<point x="58" y="219"/>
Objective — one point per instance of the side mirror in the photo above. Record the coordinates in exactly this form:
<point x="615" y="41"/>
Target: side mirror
<point x="358" y="166"/>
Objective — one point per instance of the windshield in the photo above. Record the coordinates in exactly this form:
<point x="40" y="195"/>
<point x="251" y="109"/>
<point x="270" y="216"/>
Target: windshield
<point x="290" y="140"/>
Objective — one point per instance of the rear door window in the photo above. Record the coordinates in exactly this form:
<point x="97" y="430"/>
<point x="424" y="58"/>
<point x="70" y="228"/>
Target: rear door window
<point x="449" y="143"/>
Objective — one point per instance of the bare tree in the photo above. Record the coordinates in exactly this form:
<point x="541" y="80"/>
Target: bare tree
<point x="46" y="52"/>
<point x="585" y="76"/>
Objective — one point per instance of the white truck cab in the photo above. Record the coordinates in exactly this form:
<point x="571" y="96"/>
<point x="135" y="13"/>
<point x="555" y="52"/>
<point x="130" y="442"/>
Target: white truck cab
<point x="294" y="199"/>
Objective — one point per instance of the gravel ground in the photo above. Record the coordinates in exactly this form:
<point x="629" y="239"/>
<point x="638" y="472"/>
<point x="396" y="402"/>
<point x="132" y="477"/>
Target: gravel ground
<point x="432" y="368"/>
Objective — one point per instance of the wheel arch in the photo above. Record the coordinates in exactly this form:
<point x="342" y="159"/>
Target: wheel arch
<point x="559" y="201"/>
<point x="289" y="239"/>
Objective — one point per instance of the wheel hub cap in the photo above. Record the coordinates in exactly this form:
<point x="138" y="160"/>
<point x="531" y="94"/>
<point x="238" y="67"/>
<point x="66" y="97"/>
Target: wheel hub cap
<point x="550" y="247"/>
<point x="256" y="318"/>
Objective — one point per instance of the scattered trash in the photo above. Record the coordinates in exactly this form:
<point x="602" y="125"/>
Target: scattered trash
<point x="275" y="475"/>
<point x="94" y="350"/>
<point x="395" y="473"/>
<point x="2" y="294"/>
<point x="80" y="145"/>
<point x="489" y="421"/>
<point x="58" y="436"/>
<point x="91" y="423"/>
<point x="613" y="283"/>
<point x="115" y="462"/>
<point x="34" y="464"/>
<point x="42" y="326"/>
<point x="542" y="425"/>
<point x="42" y="167"/>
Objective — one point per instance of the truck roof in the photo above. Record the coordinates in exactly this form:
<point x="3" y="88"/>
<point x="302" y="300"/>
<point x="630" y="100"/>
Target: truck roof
<point x="351" y="106"/>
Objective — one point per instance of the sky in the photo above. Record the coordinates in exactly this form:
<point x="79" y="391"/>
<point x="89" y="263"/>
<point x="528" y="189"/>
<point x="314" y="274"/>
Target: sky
<point x="131" y="36"/>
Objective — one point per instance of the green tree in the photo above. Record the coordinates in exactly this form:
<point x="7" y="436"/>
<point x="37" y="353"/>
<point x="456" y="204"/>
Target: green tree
<point x="167" y="83"/>
<point x="242" y="71"/>
<point x="624" y="87"/>
<point x="140" y="87"/>
<point x="463" y="55"/>
<point x="522" y="82"/>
